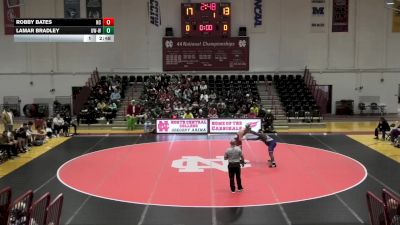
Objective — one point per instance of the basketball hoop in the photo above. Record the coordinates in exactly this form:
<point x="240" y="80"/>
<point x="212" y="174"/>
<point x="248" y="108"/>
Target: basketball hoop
<point x="15" y="3"/>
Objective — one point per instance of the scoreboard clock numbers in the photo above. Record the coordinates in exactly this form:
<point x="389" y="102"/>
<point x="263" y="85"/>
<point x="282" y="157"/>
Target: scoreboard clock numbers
<point x="206" y="19"/>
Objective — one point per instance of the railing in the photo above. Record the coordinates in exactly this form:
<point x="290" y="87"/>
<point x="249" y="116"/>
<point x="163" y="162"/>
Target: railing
<point x="321" y="97"/>
<point x="82" y="97"/>
<point x="23" y="212"/>
<point x="385" y="211"/>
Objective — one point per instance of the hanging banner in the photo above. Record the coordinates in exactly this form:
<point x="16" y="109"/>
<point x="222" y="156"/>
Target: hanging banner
<point x="340" y="16"/>
<point x="318" y="16"/>
<point x="72" y="9"/>
<point x="94" y="9"/>
<point x="257" y="19"/>
<point x="396" y="17"/>
<point x="10" y="13"/>
<point x="154" y="11"/>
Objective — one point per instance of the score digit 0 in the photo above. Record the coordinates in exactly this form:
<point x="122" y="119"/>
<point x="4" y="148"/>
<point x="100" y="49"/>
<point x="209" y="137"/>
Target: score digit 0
<point x="108" y="21"/>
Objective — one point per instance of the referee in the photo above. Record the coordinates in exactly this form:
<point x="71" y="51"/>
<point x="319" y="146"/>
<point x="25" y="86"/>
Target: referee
<point x="235" y="157"/>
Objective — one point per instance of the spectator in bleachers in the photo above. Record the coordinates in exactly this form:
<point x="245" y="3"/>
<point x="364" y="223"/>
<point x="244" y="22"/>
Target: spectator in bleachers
<point x="39" y="123"/>
<point x="383" y="127"/>
<point x="203" y="86"/>
<point x="188" y="115"/>
<point x="8" y="119"/>
<point x="115" y="96"/>
<point x="196" y="86"/>
<point x="204" y="96"/>
<point x="101" y="105"/>
<point x="22" y="138"/>
<point x="9" y="145"/>
<point x="212" y="113"/>
<point x="58" y="124"/>
<point x="212" y="96"/>
<point x="111" y="111"/>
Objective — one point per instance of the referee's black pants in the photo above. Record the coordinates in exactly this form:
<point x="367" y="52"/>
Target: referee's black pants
<point x="234" y="170"/>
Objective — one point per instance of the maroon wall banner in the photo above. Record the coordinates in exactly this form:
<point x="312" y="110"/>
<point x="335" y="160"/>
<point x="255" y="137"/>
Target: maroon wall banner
<point x="201" y="54"/>
<point x="340" y="16"/>
<point x="9" y="15"/>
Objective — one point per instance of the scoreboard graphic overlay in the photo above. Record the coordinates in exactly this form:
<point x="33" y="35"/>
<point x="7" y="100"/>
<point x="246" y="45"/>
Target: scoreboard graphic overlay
<point x="206" y="42"/>
<point x="64" y="30"/>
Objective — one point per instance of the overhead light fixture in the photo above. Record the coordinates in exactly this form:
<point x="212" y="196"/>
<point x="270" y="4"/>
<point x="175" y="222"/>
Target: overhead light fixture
<point x="389" y="2"/>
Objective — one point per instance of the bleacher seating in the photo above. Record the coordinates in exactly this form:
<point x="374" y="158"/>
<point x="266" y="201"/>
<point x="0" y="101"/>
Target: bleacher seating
<point x="296" y="99"/>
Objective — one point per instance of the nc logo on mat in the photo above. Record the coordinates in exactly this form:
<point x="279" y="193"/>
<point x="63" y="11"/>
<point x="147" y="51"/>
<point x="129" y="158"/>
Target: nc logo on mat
<point x="195" y="164"/>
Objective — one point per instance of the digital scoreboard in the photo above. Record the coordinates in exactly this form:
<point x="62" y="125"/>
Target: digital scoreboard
<point x="208" y="19"/>
<point x="206" y="43"/>
<point x="64" y="30"/>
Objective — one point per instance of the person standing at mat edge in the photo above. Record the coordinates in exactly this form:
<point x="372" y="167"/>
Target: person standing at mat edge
<point x="235" y="158"/>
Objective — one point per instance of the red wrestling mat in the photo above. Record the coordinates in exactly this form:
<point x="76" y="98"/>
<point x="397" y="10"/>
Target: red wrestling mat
<point x="194" y="174"/>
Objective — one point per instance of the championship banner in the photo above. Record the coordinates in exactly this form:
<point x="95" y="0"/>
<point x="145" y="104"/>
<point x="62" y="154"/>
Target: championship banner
<point x="94" y="9"/>
<point x="233" y="125"/>
<point x="154" y="11"/>
<point x="10" y="13"/>
<point x="396" y="17"/>
<point x="340" y="16"/>
<point x="182" y="126"/>
<point x="72" y="9"/>
<point x="318" y="16"/>
<point x="200" y="54"/>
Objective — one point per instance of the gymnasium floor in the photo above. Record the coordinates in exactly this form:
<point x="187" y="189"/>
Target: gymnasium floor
<point x="337" y="196"/>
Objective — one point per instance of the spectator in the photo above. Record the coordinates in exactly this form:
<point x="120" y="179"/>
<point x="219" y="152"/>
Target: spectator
<point x="132" y="112"/>
<point x="203" y="86"/>
<point x="69" y="122"/>
<point x="22" y="138"/>
<point x="111" y="111"/>
<point x="212" y="113"/>
<point x="58" y="124"/>
<point x="115" y="96"/>
<point x="8" y="119"/>
<point x="8" y="145"/>
<point x="383" y="126"/>
<point x="188" y="115"/>
<point x="204" y="97"/>
<point x="394" y="134"/>
<point x="213" y="96"/>
<point x="254" y="110"/>
<point x="101" y="106"/>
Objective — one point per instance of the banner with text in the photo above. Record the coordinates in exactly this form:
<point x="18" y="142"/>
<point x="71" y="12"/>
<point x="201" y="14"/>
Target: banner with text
<point x="396" y="17"/>
<point x="10" y="13"/>
<point x="94" y="9"/>
<point x="233" y="125"/>
<point x="257" y="20"/>
<point x="340" y="16"/>
<point x="318" y="16"/>
<point x="72" y="9"/>
<point x="182" y="126"/>
<point x="200" y="54"/>
<point x="154" y="11"/>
